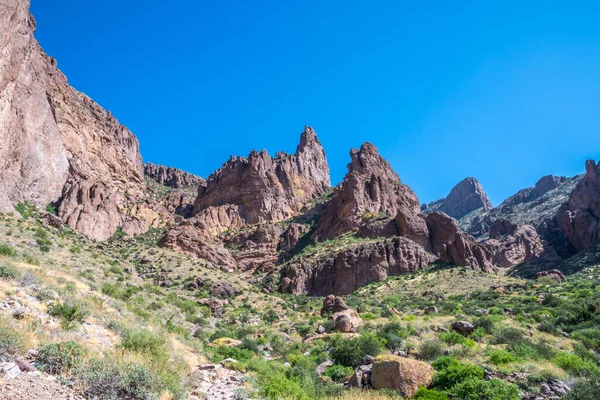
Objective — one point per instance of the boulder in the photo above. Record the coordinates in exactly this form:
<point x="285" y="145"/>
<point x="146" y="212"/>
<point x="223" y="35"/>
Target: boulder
<point x="333" y="304"/>
<point x="346" y="321"/>
<point x="463" y="327"/>
<point x="555" y="274"/>
<point x="403" y="375"/>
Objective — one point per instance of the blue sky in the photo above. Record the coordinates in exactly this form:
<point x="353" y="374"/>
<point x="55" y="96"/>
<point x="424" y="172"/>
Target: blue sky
<point x="504" y="92"/>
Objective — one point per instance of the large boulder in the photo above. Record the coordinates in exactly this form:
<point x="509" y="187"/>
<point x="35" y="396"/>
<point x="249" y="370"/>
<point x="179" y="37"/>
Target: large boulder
<point x="346" y="321"/>
<point x="403" y="375"/>
<point x="580" y="217"/>
<point x="333" y="304"/>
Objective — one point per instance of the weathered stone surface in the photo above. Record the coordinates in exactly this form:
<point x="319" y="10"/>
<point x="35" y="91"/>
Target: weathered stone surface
<point x="542" y="186"/>
<point x="371" y="190"/>
<point x="255" y="247"/>
<point x="463" y="327"/>
<point x="580" y="217"/>
<point x="50" y="220"/>
<point x="56" y="143"/>
<point x="223" y="290"/>
<point x="346" y="321"/>
<point x="467" y="196"/>
<point x="400" y="374"/>
<point x="263" y="189"/>
<point x="512" y="244"/>
<point x="171" y="177"/>
<point x="352" y="268"/>
<point x="453" y="246"/>
<point x="291" y="236"/>
<point x="555" y="274"/>
<point x="332" y="305"/>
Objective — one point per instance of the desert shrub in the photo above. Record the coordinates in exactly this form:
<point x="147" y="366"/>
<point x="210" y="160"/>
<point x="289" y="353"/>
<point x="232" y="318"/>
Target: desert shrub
<point x="304" y="330"/>
<point x="393" y="333"/>
<point x="450" y="371"/>
<point x="338" y="372"/>
<point x="9" y="271"/>
<point x="350" y="352"/>
<point x="501" y="357"/>
<point x="547" y="327"/>
<point x="428" y="394"/>
<point x="69" y="314"/>
<point x="589" y="337"/>
<point x="452" y="338"/>
<point x="144" y="342"/>
<point x="431" y="349"/>
<point x="486" y="323"/>
<point x="111" y="380"/>
<point x="28" y="279"/>
<point x="56" y="358"/>
<point x="11" y="342"/>
<point x="27" y="210"/>
<point x="507" y="336"/>
<point x="237" y="353"/>
<point x="7" y="250"/>
<point x="585" y="390"/>
<point x="575" y="365"/>
<point x="43" y="239"/>
<point x="478" y="389"/>
<point x="526" y="349"/>
<point x="118" y="291"/>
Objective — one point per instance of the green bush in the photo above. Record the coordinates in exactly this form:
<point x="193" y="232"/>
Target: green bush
<point x="431" y="349"/>
<point x="69" y="314"/>
<point x="9" y="271"/>
<point x="11" y="342"/>
<point x="585" y="390"/>
<point x="118" y="291"/>
<point x="486" y="323"/>
<point x="393" y="333"/>
<point x="589" y="337"/>
<point x="144" y="342"/>
<point x="350" y="352"/>
<point x="338" y="372"/>
<point x="575" y="365"/>
<point x="27" y="210"/>
<point x="7" y="250"/>
<point x="237" y="353"/>
<point x="111" y="380"/>
<point x="56" y="358"/>
<point x="43" y="239"/>
<point x="452" y="337"/>
<point x="478" y="389"/>
<point x="450" y="371"/>
<point x="428" y="394"/>
<point x="500" y="357"/>
<point x="507" y="336"/>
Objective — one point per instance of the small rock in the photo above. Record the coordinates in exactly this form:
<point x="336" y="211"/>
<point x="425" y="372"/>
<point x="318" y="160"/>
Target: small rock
<point x="431" y="310"/>
<point x="565" y="334"/>
<point x="11" y="370"/>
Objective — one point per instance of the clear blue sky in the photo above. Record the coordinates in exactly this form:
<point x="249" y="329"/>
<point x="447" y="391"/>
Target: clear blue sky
<point x="506" y="92"/>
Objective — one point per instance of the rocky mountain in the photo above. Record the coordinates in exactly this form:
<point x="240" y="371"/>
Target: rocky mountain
<point x="58" y="146"/>
<point x="467" y="196"/>
<point x="172" y="177"/>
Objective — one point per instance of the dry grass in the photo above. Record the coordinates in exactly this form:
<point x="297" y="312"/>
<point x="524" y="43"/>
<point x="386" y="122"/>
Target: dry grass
<point x="363" y="395"/>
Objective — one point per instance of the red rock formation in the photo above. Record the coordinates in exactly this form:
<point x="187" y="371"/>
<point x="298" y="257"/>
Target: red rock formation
<point x="370" y="189"/>
<point x="171" y="177"/>
<point x="580" y="217"/>
<point x="354" y="267"/>
<point x="512" y="244"/>
<point x="56" y="143"/>
<point x="454" y="246"/>
<point x="467" y="196"/>
<point x="263" y="189"/>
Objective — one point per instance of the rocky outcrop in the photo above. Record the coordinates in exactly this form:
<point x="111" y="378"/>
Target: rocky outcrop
<point x="512" y="244"/>
<point x="354" y="267"/>
<point x="371" y="192"/>
<point x="263" y="189"/>
<point x="467" y="196"/>
<point x="56" y="144"/>
<point x="454" y="246"/>
<point x="554" y="274"/>
<point x="332" y="305"/>
<point x="171" y="177"/>
<point x="346" y="321"/>
<point x="255" y="247"/>
<point x="579" y="219"/>
<point x="400" y="374"/>
<point x="542" y="186"/>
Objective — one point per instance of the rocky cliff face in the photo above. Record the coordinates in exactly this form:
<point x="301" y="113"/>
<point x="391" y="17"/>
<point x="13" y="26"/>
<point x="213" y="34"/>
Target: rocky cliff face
<point x="56" y="144"/>
<point x="263" y="189"/>
<point x="467" y="196"/>
<point x="542" y="186"/>
<point x="369" y="198"/>
<point x="580" y="217"/>
<point x="172" y="177"/>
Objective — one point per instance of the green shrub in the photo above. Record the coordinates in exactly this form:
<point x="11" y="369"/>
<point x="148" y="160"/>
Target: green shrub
<point x="350" y="352"/>
<point x="575" y="365"/>
<point x="118" y="291"/>
<point x="393" y="334"/>
<point x="11" y="342"/>
<point x="428" y="394"/>
<point x="237" y="353"/>
<point x="586" y="389"/>
<point x="450" y="371"/>
<point x="486" y="323"/>
<point x="69" y="313"/>
<point x="500" y="357"/>
<point x="452" y="337"/>
<point x="27" y="210"/>
<point x="589" y="337"/>
<point x="507" y="336"/>
<point x="9" y="271"/>
<point x="144" y="342"/>
<point x="43" y="240"/>
<point x="431" y="349"/>
<point x="7" y="250"/>
<point x="110" y="379"/>
<point x="478" y="389"/>
<point x="338" y="372"/>
<point x="56" y="358"/>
